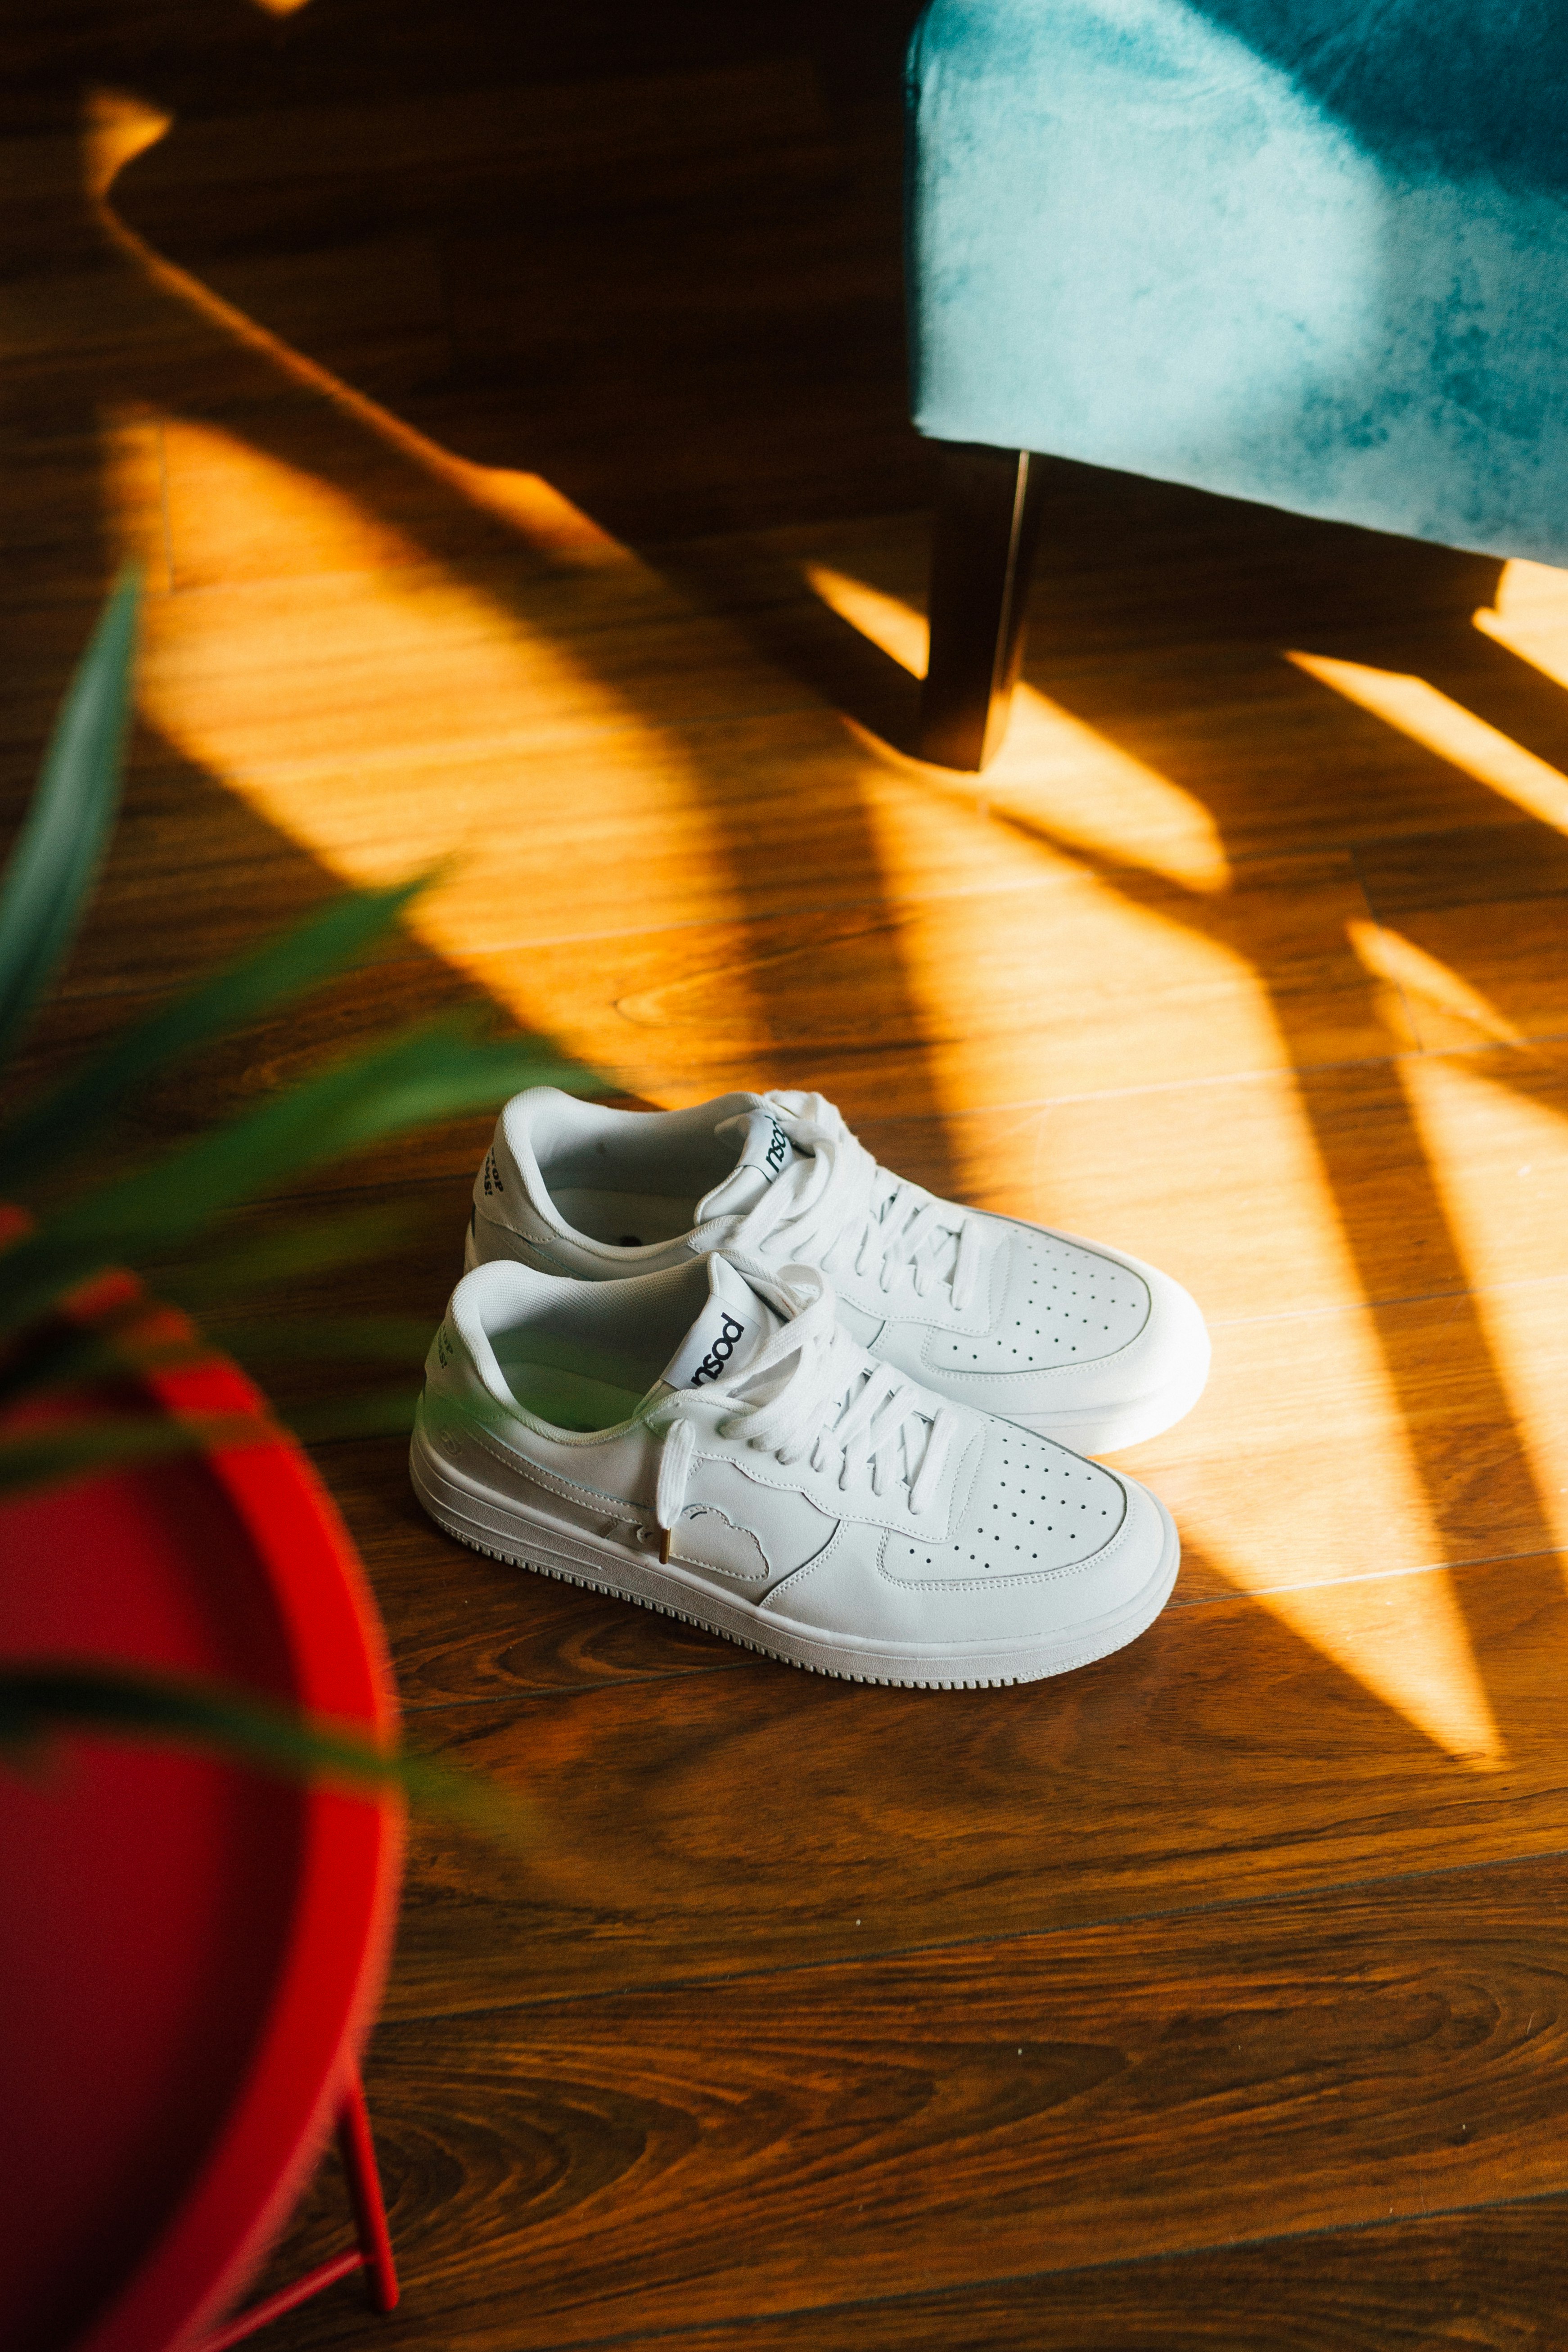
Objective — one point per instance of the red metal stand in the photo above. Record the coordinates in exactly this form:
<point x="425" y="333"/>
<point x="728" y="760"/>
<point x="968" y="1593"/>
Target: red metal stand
<point x="191" y="1979"/>
<point x="372" y="2254"/>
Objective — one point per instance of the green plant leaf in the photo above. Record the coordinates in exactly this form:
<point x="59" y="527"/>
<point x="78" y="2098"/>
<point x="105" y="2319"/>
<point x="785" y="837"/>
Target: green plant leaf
<point x="57" y="1454"/>
<point x="265" y="1253"/>
<point x="282" y="968"/>
<point x="63" y="1358"/>
<point x="82" y="1355"/>
<point x="428" y="1073"/>
<point x="40" y="1701"/>
<point x="378" y="1412"/>
<point x="51" y="869"/>
<point x="327" y="1338"/>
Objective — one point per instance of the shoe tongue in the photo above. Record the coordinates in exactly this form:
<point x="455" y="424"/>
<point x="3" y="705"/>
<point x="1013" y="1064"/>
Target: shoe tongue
<point x="728" y="1333"/>
<point x="765" y="1152"/>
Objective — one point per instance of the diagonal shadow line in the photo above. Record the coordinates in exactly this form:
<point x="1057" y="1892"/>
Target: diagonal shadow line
<point x="1475" y="671"/>
<point x="801" y="635"/>
<point x="749" y="880"/>
<point x="1457" y="1491"/>
<point x="1459" y="1488"/>
<point x="904" y="688"/>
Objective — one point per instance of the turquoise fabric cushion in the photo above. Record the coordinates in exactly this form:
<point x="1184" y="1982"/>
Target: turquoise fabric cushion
<point x="1303" y="251"/>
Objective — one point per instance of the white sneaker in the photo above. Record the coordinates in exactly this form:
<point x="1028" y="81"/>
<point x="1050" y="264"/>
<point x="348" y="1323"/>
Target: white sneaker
<point x="773" y="1481"/>
<point x="1063" y="1336"/>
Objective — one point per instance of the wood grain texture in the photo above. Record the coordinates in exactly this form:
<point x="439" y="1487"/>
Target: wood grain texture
<point x="691" y="1829"/>
<point x="508" y="416"/>
<point x="1493" y="2278"/>
<point x="1246" y="1227"/>
<point x="468" y="1629"/>
<point x="788" y="2141"/>
<point x="1470" y="1464"/>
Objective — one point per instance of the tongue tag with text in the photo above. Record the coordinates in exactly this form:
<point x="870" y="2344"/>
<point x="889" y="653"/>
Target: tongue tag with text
<point x="714" y="1363"/>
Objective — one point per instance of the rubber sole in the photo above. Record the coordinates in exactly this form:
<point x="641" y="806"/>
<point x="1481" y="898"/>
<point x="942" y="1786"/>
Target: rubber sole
<point x="488" y="1523"/>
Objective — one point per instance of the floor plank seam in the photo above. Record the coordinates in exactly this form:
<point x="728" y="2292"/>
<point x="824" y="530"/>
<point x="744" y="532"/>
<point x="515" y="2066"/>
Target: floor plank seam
<point x="531" y="1693"/>
<point x="803" y="2312"/>
<point x="1263" y="1074"/>
<point x="1523" y="1283"/>
<point x="1371" y="1576"/>
<point x="527" y="1693"/>
<point x="888" y="1954"/>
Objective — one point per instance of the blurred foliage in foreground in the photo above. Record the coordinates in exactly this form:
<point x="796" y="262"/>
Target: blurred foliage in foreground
<point x="69" y="1405"/>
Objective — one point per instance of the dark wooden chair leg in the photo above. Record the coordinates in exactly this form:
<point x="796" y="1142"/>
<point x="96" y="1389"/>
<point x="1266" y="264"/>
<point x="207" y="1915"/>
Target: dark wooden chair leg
<point x="987" y="520"/>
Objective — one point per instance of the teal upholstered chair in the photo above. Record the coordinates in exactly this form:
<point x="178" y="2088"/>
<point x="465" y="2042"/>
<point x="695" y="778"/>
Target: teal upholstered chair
<point x="1311" y="252"/>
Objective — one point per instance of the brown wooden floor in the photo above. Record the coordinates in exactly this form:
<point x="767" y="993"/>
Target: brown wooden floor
<point x="507" y="406"/>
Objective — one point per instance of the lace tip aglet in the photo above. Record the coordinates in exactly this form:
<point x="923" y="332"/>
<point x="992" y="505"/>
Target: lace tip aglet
<point x="665" y="1536"/>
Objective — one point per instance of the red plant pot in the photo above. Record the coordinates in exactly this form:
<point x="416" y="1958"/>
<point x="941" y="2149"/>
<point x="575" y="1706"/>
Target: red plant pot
<point x="191" y="1953"/>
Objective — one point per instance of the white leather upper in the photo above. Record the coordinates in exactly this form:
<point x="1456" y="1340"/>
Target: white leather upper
<point x="1053" y="1328"/>
<point x="1052" y="1301"/>
<point x="1020" y="1538"/>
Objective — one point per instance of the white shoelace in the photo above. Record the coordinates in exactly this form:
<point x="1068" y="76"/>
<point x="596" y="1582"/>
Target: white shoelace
<point x="904" y="1233"/>
<point x="835" y="1400"/>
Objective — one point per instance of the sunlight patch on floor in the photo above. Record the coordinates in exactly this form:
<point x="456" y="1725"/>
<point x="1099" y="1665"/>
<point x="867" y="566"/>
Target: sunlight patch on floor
<point x="1047" y="981"/>
<point x="276" y="686"/>
<point x="1063" y="989"/>
<point x="1053" y="772"/>
<point x="117" y="127"/>
<point x="1447" y="728"/>
<point x="886" y="620"/>
<point x="1500" y="1158"/>
<point x="1297" y="1478"/>
<point x="1120" y="991"/>
<point x="1402" y="1637"/>
<point x="1111" y="978"/>
<point x="1431" y="984"/>
<point x="1531" y="617"/>
<point x="120" y="126"/>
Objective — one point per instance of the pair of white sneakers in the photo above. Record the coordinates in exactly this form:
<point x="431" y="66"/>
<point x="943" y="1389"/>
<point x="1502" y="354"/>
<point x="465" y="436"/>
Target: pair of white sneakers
<point x="720" y="1362"/>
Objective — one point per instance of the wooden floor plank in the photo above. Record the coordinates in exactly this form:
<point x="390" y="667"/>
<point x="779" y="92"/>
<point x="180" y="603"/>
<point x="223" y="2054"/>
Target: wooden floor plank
<point x="510" y="419"/>
<point x="1239" y="1749"/>
<point x="1323" y="1195"/>
<point x="1492" y="2278"/>
<point x="853" y="1003"/>
<point x="487" y="1632"/>
<point x="1455" y="1397"/>
<point x="1505" y="955"/>
<point x="901" y="2128"/>
<point x="51" y="512"/>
